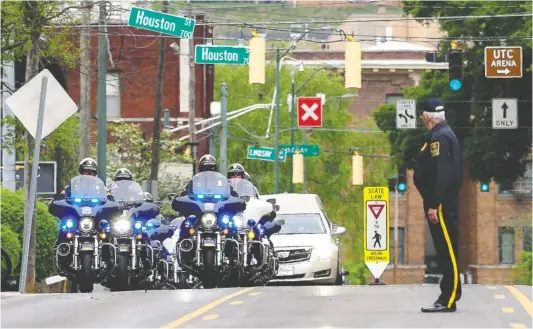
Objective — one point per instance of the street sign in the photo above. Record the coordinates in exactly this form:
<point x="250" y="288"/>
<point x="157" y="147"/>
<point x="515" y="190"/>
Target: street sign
<point x="46" y="177"/>
<point x="376" y="228"/>
<point x="504" y="113"/>
<point x="146" y="19"/>
<point x="503" y="62"/>
<point x="310" y="150"/>
<point x="309" y="112"/>
<point x="209" y="54"/>
<point x="24" y="103"/>
<point x="265" y="153"/>
<point x="406" y="114"/>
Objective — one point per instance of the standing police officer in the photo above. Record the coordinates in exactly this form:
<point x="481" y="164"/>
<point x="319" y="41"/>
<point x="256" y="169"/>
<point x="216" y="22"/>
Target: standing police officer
<point x="438" y="178"/>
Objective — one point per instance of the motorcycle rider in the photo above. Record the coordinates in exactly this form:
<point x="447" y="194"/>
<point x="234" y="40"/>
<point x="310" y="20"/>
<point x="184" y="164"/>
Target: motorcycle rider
<point x="207" y="163"/>
<point x="236" y="170"/>
<point x="123" y="174"/>
<point x="86" y="167"/>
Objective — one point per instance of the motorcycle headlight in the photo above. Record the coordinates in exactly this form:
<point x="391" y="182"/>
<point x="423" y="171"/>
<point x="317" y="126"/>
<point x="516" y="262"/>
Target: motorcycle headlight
<point x="238" y="220"/>
<point x="209" y="220"/>
<point x="138" y="225"/>
<point x="86" y="224"/>
<point x="121" y="226"/>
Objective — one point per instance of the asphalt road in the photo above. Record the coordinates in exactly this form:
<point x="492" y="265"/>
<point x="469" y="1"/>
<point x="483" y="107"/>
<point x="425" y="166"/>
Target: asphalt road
<point x="268" y="307"/>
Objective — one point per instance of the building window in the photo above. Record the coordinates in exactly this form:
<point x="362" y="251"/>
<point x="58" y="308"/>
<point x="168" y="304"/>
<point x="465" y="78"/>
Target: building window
<point x="506" y="245"/>
<point x="113" y="94"/>
<point x="507" y="187"/>
<point x="393" y="98"/>
<point x="527" y="238"/>
<point x="400" y="245"/>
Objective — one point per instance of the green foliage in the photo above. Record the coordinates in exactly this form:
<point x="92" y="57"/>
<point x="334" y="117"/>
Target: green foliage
<point x="522" y="273"/>
<point x="328" y="174"/>
<point x="132" y="150"/>
<point x="24" y="22"/>
<point x="498" y="154"/>
<point x="12" y="210"/>
<point x="12" y="245"/>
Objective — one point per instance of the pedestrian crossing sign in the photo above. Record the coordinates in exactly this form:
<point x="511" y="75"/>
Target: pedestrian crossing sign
<point x="376" y="229"/>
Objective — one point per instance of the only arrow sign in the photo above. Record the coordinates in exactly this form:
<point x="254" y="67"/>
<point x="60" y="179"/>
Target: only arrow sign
<point x="505" y="72"/>
<point x="504" y="108"/>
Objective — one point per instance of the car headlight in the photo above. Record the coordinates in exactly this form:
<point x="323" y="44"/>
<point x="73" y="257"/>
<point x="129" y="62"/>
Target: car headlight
<point x="324" y="253"/>
<point x="122" y="226"/>
<point x="86" y="224"/>
<point x="238" y="221"/>
<point x="208" y="220"/>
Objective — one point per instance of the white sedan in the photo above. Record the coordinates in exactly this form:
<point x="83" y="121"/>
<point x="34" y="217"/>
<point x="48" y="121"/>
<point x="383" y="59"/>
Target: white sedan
<point x="307" y="246"/>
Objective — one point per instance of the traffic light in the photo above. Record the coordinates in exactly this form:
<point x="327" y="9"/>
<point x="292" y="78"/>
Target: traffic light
<point x="455" y="71"/>
<point x="402" y="183"/>
<point x="352" y="64"/>
<point x="256" y="63"/>
<point x="297" y="168"/>
<point x="484" y="187"/>
<point x="357" y="169"/>
<point x="393" y="181"/>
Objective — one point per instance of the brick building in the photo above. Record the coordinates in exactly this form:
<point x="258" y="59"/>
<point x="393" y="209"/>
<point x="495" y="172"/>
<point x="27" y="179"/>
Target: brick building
<point x="494" y="226"/>
<point x="131" y="78"/>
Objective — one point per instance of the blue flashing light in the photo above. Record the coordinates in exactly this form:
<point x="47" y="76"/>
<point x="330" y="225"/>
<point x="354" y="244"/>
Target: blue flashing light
<point x="402" y="187"/>
<point x="225" y="219"/>
<point x="200" y="196"/>
<point x="251" y="223"/>
<point x="69" y="223"/>
<point x="94" y="200"/>
<point x="484" y="187"/>
<point x="261" y="231"/>
<point x="138" y="225"/>
<point x="150" y="224"/>
<point x="456" y="85"/>
<point x="103" y="224"/>
<point x="77" y="200"/>
<point x="217" y="196"/>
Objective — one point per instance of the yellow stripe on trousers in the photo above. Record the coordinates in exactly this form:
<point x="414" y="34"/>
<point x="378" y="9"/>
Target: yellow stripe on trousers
<point x="452" y="256"/>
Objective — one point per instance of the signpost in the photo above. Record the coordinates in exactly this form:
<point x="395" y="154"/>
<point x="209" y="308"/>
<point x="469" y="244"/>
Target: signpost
<point x="504" y="113"/>
<point x="265" y="153"/>
<point x="210" y="54"/>
<point x="146" y="19"/>
<point x="376" y="228"/>
<point x="309" y="112"/>
<point x="46" y="177"/>
<point x="503" y="62"/>
<point x="311" y="150"/>
<point x="406" y="114"/>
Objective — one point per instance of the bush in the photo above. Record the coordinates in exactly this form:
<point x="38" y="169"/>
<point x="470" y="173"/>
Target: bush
<point x="12" y="245"/>
<point x="522" y="273"/>
<point x="12" y="210"/>
<point x="357" y="271"/>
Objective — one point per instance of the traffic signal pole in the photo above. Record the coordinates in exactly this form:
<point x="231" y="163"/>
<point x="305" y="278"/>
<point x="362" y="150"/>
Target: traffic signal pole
<point x="396" y="215"/>
<point x="293" y="115"/>
<point x="276" y="128"/>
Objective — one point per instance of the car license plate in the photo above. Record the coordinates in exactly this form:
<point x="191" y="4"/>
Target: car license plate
<point x="86" y="247"/>
<point x="123" y="248"/>
<point x="209" y="243"/>
<point x="285" y="271"/>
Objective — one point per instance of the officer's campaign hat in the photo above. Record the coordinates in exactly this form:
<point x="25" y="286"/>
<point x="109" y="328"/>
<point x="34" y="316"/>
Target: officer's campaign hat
<point x="431" y="104"/>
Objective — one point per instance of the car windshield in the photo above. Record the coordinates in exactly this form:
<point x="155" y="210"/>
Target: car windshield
<point x="243" y="187"/>
<point x="87" y="187"/>
<point x="127" y="190"/>
<point x="210" y="183"/>
<point x="301" y="224"/>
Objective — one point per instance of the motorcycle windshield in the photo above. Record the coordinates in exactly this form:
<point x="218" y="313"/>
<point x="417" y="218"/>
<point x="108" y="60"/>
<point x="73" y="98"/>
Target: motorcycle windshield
<point x="210" y="184"/>
<point x="127" y="191"/>
<point x="243" y="187"/>
<point x="87" y="188"/>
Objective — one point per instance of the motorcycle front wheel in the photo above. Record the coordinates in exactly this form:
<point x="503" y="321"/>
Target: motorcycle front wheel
<point x="122" y="278"/>
<point x="85" y="282"/>
<point x="209" y="276"/>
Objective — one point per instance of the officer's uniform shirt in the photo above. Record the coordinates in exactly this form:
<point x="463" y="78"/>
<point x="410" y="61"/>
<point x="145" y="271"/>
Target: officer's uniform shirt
<point x="438" y="169"/>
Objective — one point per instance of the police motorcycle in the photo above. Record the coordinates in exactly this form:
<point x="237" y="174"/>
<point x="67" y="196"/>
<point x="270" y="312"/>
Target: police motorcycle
<point x="84" y="217"/>
<point x="211" y="211"/>
<point x="134" y="258"/>
<point x="259" y="259"/>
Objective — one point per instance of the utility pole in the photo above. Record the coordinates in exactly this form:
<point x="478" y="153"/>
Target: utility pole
<point x="276" y="128"/>
<point x="192" y="99"/>
<point x="102" y="95"/>
<point x="304" y="184"/>
<point x="396" y="214"/>
<point x="156" y="136"/>
<point x="224" y="125"/>
<point x="85" y="80"/>
<point x="293" y="115"/>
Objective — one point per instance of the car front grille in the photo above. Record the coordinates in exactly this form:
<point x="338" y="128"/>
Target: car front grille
<point x="293" y="255"/>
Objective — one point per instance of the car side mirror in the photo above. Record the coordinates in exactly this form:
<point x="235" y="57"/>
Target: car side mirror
<point x="171" y="196"/>
<point x="276" y="207"/>
<point x="272" y="201"/>
<point x="245" y="198"/>
<point x="339" y="230"/>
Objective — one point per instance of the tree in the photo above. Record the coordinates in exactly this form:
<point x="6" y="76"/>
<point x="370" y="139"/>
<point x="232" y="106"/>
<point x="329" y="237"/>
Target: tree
<point x="498" y="154"/>
<point x="328" y="174"/>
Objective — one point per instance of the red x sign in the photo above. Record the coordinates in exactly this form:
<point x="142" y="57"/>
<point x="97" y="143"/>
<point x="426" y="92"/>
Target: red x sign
<point x="309" y="112"/>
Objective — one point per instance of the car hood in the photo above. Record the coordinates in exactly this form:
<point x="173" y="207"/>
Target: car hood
<point x="300" y="240"/>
